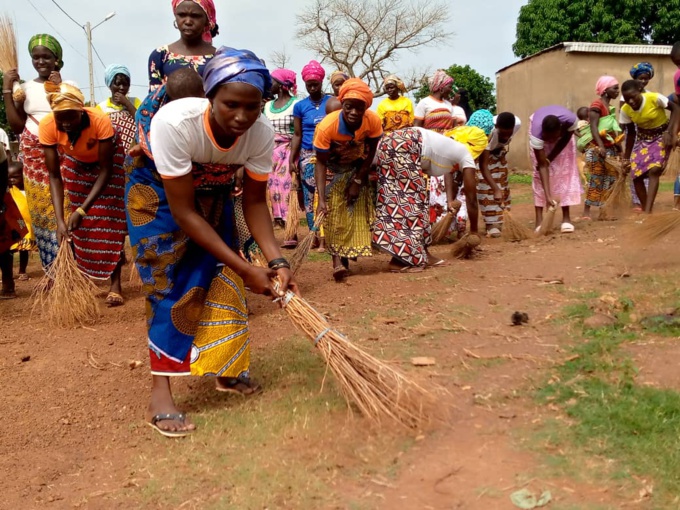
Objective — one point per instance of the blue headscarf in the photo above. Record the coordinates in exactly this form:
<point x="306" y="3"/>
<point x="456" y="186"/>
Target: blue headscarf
<point x="230" y="65"/>
<point x="483" y="119"/>
<point x="642" y="68"/>
<point x="111" y="71"/>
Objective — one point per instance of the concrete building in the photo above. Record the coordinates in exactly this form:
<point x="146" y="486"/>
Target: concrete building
<point x="565" y="74"/>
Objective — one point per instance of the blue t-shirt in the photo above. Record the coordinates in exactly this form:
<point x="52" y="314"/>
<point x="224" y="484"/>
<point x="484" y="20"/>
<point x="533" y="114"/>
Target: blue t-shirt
<point x="310" y="115"/>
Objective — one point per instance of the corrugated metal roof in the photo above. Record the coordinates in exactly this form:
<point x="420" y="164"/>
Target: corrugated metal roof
<point x="589" y="47"/>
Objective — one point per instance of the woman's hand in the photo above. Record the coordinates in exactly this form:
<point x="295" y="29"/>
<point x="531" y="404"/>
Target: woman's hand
<point x="321" y="207"/>
<point x="63" y="232"/>
<point x="669" y="140"/>
<point x="602" y="151"/>
<point x="259" y="281"/>
<point x="55" y="78"/>
<point x="287" y="281"/>
<point x="9" y="78"/>
<point x="121" y="99"/>
<point x="498" y="194"/>
<point x="74" y="222"/>
<point x="293" y="166"/>
<point x="352" y="193"/>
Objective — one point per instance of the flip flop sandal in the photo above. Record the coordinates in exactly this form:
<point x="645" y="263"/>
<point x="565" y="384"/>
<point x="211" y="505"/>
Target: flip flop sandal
<point x="248" y="387"/>
<point x="113" y="300"/>
<point x="23" y="277"/>
<point x="408" y="269"/>
<point x="339" y="273"/>
<point x="567" y="228"/>
<point x="439" y="263"/>
<point x="180" y="417"/>
<point x="8" y="294"/>
<point x="493" y="232"/>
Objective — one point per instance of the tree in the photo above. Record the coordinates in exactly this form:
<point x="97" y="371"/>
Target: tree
<point x="480" y="88"/>
<point x="279" y="59"/>
<point x="365" y="38"/>
<point x="3" y="117"/>
<point x="544" y="23"/>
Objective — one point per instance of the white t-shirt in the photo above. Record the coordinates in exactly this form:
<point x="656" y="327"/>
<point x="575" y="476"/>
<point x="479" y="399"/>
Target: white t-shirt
<point x="441" y="155"/>
<point x="494" y="143"/>
<point x="459" y="113"/>
<point x="181" y="134"/>
<point x="429" y="104"/>
<point x="283" y="121"/>
<point x="4" y="140"/>
<point x="36" y="104"/>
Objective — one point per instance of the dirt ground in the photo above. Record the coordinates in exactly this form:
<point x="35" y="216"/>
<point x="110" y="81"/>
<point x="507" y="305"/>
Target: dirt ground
<point x="73" y="433"/>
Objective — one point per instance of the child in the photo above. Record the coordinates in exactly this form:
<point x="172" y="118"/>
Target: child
<point x="12" y="229"/>
<point x="28" y="243"/>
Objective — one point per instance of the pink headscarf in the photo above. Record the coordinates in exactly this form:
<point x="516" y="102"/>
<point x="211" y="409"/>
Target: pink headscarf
<point x="209" y="8"/>
<point x="287" y="79"/>
<point x="604" y="83"/>
<point x="439" y="80"/>
<point x="313" y="71"/>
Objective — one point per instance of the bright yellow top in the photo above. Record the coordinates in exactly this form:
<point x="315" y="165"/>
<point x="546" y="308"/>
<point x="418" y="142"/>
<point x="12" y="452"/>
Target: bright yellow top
<point x="652" y="112"/>
<point x="396" y="113"/>
<point x="22" y="204"/>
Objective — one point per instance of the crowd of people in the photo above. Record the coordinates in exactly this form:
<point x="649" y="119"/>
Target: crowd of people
<point x="200" y="172"/>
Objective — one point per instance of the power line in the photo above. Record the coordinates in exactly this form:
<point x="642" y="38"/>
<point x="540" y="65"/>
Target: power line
<point x="97" y="53"/>
<point x="55" y="30"/>
<point x="67" y="14"/>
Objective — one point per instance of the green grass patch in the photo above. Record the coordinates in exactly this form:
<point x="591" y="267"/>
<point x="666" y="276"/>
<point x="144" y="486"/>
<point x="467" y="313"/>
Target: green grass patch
<point x="520" y="178"/>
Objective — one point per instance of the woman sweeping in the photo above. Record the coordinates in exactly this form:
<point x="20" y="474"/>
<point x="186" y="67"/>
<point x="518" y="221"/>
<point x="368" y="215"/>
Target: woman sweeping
<point x="345" y="143"/>
<point x="280" y="113"/>
<point x="493" y="197"/>
<point x="649" y="134"/>
<point x="602" y="118"/>
<point x="120" y="108"/>
<point x="553" y="156"/>
<point x="396" y="110"/>
<point x="24" y="116"/>
<point x="197" y="24"/>
<point x="91" y="173"/>
<point x="402" y="226"/>
<point x="307" y="114"/>
<point x="182" y="230"/>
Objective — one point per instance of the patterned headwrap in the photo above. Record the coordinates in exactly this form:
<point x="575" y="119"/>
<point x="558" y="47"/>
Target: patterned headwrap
<point x="642" y="68"/>
<point x="114" y="69"/>
<point x="230" y="65"/>
<point x="287" y="79"/>
<point x="355" y="88"/>
<point x="439" y="80"/>
<point x="483" y="119"/>
<point x="64" y="97"/>
<point x="50" y="43"/>
<point x="336" y="74"/>
<point x="472" y="137"/>
<point x="209" y="8"/>
<point x="313" y="71"/>
<point x="604" y="83"/>
<point x="393" y="78"/>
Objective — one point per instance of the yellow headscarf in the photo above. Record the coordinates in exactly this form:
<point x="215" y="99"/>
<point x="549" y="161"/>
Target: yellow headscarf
<point x="472" y="137"/>
<point x="64" y="97"/>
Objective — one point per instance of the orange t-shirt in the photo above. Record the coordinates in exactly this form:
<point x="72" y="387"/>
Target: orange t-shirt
<point x="86" y="148"/>
<point x="334" y="136"/>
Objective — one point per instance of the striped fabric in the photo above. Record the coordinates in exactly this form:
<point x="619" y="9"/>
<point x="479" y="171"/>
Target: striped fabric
<point x="491" y="211"/>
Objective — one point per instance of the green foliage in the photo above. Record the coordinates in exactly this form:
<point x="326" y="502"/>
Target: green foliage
<point x="544" y="23"/>
<point x="480" y="88"/>
<point x="3" y="118"/>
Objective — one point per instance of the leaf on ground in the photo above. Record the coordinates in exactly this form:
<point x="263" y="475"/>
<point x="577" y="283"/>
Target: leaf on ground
<point x="526" y="500"/>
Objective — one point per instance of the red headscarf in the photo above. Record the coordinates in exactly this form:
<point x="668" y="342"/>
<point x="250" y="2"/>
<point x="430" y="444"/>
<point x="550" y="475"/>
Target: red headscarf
<point x="209" y="8"/>
<point x="355" y="88"/>
<point x="287" y="79"/>
<point x="313" y="71"/>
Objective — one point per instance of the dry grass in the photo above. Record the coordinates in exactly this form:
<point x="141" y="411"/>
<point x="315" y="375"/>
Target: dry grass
<point x="293" y="219"/>
<point x="383" y="394"/>
<point x="302" y="250"/>
<point x="655" y="227"/>
<point x="66" y="296"/>
<point x="618" y="197"/>
<point x="465" y="246"/>
<point x="134" y="281"/>
<point x="442" y="227"/>
<point x="548" y="220"/>
<point x="8" y="44"/>
<point x="673" y="164"/>
<point x="513" y="230"/>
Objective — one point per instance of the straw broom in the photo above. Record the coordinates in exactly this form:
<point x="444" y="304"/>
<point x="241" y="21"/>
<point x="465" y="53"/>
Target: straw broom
<point x="382" y="393"/>
<point x="618" y="197"/>
<point x="655" y="227"/>
<point x="135" y="281"/>
<point x="465" y="246"/>
<point x="442" y="227"/>
<point x="548" y="220"/>
<point x="66" y="296"/>
<point x="303" y="248"/>
<point x="8" y="53"/>
<point x="674" y="163"/>
<point x="293" y="218"/>
<point x="513" y="230"/>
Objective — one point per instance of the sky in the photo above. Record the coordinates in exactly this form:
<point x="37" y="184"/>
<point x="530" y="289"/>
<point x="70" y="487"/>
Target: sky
<point x="140" y="26"/>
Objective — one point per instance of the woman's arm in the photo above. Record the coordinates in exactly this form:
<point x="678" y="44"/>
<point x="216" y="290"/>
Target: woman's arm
<point x="470" y="190"/>
<point x="484" y="169"/>
<point x="671" y="134"/>
<point x="631" y="131"/>
<point x="594" y="117"/>
<point x="418" y="123"/>
<point x="544" y="171"/>
<point x="561" y="144"/>
<point x="16" y="115"/>
<point x="56" y="190"/>
<point x="295" y="145"/>
<point x="320" y="178"/>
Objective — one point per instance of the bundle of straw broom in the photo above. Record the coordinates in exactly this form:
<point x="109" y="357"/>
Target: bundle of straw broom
<point x="548" y="219"/>
<point x="380" y="392"/>
<point x="618" y="197"/>
<point x="9" y="58"/>
<point x="66" y="296"/>
<point x="513" y="230"/>
<point x="303" y="248"/>
<point x="293" y="218"/>
<point x="465" y="246"/>
<point x="442" y="227"/>
<point x="655" y="227"/>
<point x="674" y="163"/>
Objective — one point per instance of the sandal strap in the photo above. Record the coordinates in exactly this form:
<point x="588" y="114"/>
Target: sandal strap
<point x="180" y="417"/>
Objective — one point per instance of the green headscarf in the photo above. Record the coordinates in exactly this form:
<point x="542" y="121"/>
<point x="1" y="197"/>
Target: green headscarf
<point x="50" y="43"/>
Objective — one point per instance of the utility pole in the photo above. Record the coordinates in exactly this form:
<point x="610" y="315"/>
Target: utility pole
<point x="88" y="33"/>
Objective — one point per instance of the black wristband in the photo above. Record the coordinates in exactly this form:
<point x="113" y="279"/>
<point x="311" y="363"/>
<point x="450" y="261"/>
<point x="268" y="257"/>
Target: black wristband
<point x="278" y="262"/>
<point x="280" y="266"/>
